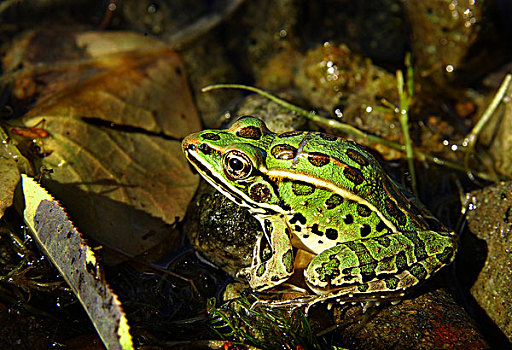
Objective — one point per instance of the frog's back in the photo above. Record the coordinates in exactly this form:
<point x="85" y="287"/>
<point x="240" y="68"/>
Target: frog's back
<point x="336" y="189"/>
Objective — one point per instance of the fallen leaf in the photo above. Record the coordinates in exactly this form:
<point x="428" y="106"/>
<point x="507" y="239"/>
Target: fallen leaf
<point x="144" y="88"/>
<point x="77" y="263"/>
<point x="11" y="162"/>
<point x="10" y="177"/>
<point x="115" y="118"/>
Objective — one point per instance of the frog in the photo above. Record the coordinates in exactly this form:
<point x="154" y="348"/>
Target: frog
<point x="370" y="241"/>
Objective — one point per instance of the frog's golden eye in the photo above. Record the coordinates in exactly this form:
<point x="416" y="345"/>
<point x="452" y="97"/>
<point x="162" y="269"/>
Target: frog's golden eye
<point x="237" y="165"/>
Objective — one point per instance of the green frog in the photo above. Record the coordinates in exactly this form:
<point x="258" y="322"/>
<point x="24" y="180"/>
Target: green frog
<point x="330" y="197"/>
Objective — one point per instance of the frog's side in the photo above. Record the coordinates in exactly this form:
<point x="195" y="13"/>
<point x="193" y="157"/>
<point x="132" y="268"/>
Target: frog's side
<point x="330" y="197"/>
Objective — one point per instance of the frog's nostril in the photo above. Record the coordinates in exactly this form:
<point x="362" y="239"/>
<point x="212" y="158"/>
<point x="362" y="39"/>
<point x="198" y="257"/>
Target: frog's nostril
<point x="191" y="147"/>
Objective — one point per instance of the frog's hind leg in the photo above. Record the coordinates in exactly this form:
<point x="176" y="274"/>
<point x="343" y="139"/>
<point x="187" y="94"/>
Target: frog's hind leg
<point x="379" y="268"/>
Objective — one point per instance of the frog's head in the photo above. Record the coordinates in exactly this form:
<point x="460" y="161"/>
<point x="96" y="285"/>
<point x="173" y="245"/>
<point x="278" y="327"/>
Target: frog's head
<point x="233" y="161"/>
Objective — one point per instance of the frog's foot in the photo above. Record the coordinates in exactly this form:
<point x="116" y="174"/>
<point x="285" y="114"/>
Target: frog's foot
<point x="331" y="299"/>
<point x="301" y="302"/>
<point x="305" y="302"/>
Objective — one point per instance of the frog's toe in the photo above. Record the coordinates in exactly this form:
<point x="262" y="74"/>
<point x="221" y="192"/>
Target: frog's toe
<point x="302" y="302"/>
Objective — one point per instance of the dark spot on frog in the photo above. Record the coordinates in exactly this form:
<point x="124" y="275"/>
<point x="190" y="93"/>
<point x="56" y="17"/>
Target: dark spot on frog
<point x="261" y="270"/>
<point x="285" y="206"/>
<point x="210" y="136"/>
<point x="249" y="132"/>
<point x="300" y="188"/>
<point x="391" y="283"/>
<point x="288" y="261"/>
<point x="381" y="226"/>
<point x="365" y="230"/>
<point x="362" y="287"/>
<point x="266" y="253"/>
<point x="401" y="261"/>
<point x="352" y="272"/>
<point x="274" y="279"/>
<point x="331" y="233"/>
<point x="205" y="149"/>
<point x="353" y="175"/>
<point x="283" y="152"/>
<point x="316" y="231"/>
<point x="333" y="201"/>
<point x="363" y="210"/>
<point x="260" y="193"/>
<point x="298" y="217"/>
<point x="368" y="271"/>
<point x="290" y="134"/>
<point x="349" y="219"/>
<point x="318" y="159"/>
<point x="327" y="137"/>
<point x="357" y="157"/>
<point x="268" y="226"/>
<point x="297" y="228"/>
<point x="418" y="271"/>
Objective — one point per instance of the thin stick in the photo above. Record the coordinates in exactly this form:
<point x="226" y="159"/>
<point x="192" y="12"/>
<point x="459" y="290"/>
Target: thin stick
<point x="471" y="138"/>
<point x="403" y="116"/>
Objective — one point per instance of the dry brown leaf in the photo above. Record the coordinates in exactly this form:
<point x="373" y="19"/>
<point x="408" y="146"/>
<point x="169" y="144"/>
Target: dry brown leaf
<point x="126" y="184"/>
<point x="144" y="88"/>
<point x="9" y="178"/>
<point x="11" y="163"/>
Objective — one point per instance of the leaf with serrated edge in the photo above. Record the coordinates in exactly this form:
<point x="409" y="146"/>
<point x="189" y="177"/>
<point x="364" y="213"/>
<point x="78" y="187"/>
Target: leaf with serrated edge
<point x="77" y="263"/>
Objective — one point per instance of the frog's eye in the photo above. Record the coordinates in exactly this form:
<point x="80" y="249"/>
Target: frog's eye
<point x="237" y="165"/>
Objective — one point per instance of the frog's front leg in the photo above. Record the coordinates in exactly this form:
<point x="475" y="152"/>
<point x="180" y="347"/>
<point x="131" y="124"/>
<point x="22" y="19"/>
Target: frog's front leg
<point x="272" y="261"/>
<point x="379" y="268"/>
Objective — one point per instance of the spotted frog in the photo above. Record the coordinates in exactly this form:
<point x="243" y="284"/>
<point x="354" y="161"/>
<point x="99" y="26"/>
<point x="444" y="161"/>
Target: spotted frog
<point x="330" y="197"/>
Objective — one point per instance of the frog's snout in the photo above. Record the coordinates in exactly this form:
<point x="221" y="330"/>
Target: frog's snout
<point x="189" y="143"/>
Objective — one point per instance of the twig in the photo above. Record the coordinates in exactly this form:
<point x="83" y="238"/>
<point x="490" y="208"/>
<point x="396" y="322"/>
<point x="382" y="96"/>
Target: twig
<point x="471" y="138"/>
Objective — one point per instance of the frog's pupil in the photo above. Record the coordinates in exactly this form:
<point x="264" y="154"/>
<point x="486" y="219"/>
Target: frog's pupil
<point x="236" y="164"/>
